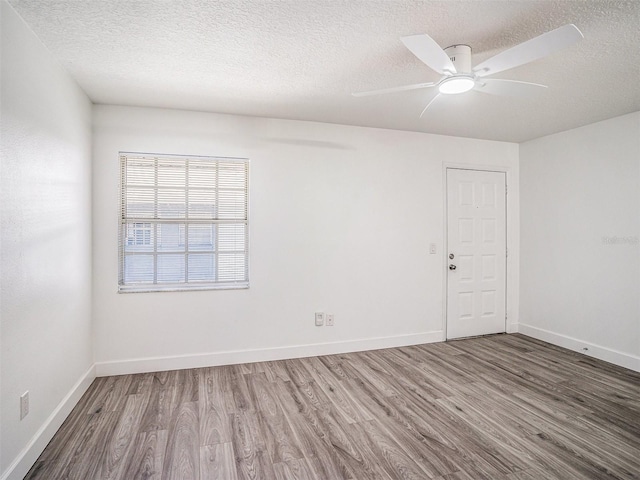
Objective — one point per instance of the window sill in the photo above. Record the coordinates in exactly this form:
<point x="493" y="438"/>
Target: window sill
<point x="180" y="288"/>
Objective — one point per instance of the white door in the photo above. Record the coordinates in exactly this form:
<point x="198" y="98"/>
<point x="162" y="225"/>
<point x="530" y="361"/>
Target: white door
<point x="476" y="256"/>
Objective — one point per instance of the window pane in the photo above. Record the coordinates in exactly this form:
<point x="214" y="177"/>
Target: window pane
<point x="140" y="172"/>
<point x="202" y="267"/>
<point x="201" y="237"/>
<point x="140" y="203"/>
<point x="231" y="267"/>
<point x="170" y="268"/>
<point x="138" y="237"/>
<point x="202" y="204"/>
<point x="171" y="203"/>
<point x="138" y="269"/>
<point x="171" y="237"/>
<point x="232" y="204"/>
<point x="232" y="175"/>
<point x="202" y="173"/>
<point x="232" y="237"/>
<point x="171" y="173"/>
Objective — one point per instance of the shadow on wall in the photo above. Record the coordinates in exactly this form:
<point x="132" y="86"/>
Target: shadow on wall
<point x="306" y="143"/>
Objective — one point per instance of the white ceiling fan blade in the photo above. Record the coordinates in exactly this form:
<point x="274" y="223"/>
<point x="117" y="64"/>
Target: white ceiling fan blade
<point x="531" y="50"/>
<point x="429" y="104"/>
<point x="426" y="49"/>
<point x="509" y="88"/>
<point x="395" y="89"/>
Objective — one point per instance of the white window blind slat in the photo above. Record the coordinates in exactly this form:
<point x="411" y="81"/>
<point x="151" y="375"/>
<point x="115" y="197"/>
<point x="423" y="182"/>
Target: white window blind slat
<point x="183" y="222"/>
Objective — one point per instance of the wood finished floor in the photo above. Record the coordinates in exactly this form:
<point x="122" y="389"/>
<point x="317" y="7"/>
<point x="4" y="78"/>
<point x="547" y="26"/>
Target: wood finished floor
<point x="500" y="407"/>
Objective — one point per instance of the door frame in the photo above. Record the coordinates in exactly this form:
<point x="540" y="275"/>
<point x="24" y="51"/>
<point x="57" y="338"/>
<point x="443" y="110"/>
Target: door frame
<point x="511" y="232"/>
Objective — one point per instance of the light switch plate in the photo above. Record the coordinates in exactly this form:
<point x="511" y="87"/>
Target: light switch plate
<point x="24" y="405"/>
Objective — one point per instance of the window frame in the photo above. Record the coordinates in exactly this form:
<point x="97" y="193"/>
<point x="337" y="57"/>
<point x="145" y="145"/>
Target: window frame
<point x="131" y="227"/>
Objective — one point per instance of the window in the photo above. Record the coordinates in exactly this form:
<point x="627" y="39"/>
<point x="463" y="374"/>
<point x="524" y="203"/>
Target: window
<point x="183" y="223"/>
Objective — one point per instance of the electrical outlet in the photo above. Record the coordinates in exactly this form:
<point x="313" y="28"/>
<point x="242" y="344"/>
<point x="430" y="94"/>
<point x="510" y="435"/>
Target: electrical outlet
<point x="329" y="319"/>
<point x="432" y="248"/>
<point x="319" y="319"/>
<point x="24" y="404"/>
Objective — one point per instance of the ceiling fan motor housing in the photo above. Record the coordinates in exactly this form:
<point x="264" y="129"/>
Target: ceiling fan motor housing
<point x="460" y="56"/>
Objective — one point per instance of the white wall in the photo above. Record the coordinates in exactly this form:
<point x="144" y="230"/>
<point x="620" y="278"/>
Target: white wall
<point x="580" y="239"/>
<point x="46" y="343"/>
<point x="341" y="221"/>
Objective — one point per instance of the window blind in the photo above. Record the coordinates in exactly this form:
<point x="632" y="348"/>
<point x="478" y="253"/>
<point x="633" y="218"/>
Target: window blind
<point x="183" y="222"/>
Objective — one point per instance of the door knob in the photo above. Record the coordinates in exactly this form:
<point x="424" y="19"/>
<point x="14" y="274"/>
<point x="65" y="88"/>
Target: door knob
<point x="452" y="267"/>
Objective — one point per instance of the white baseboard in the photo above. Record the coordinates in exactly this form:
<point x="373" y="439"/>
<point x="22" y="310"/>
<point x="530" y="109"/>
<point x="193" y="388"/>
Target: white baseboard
<point x="622" y="359"/>
<point x="157" y="364"/>
<point x="28" y="456"/>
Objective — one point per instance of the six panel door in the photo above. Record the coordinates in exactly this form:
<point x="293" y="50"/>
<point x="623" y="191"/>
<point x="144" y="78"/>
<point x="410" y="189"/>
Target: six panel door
<point x="476" y="237"/>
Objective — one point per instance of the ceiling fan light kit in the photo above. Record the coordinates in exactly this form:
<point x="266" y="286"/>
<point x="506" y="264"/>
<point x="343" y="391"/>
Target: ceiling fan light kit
<point x="456" y="84"/>
<point x="454" y="64"/>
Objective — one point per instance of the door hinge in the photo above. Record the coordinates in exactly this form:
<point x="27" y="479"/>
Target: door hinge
<point x="506" y="189"/>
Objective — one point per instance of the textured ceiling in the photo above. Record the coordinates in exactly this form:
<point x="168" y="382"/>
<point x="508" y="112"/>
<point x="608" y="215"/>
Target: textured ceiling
<point x="301" y="59"/>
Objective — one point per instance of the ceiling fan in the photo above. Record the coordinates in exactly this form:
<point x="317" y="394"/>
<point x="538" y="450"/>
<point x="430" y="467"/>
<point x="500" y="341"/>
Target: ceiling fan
<point x="454" y="64"/>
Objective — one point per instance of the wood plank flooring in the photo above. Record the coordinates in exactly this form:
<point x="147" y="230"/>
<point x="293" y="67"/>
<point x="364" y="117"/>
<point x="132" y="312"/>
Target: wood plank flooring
<point x="500" y="407"/>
